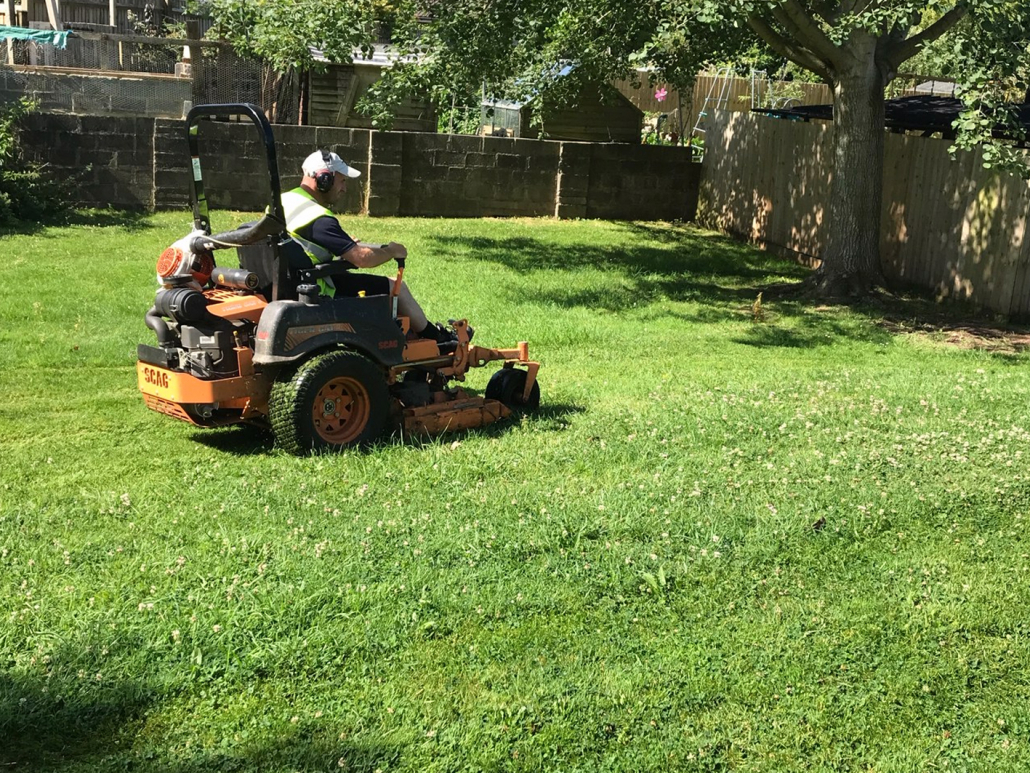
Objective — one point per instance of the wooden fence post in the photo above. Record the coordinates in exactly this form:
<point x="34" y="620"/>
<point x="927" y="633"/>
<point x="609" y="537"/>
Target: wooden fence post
<point x="53" y="11"/>
<point x="9" y="20"/>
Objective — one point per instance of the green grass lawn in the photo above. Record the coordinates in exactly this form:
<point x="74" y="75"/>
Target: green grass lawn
<point x="723" y="544"/>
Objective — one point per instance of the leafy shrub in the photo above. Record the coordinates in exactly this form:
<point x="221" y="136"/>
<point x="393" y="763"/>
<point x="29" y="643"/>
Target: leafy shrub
<point x="26" y="194"/>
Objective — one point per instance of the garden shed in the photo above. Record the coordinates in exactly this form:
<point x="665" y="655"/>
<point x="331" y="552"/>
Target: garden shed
<point x="598" y="113"/>
<point x="334" y="92"/>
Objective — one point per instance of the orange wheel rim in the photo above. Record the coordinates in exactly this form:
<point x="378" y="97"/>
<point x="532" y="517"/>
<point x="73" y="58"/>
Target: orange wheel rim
<point x="341" y="410"/>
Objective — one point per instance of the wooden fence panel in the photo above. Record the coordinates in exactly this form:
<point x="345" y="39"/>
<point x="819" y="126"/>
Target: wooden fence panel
<point x="1007" y="234"/>
<point x="948" y="225"/>
<point x="1021" y="291"/>
<point x="924" y="245"/>
<point x="753" y="185"/>
<point x="809" y="207"/>
<point x="896" y="210"/>
<point x="778" y="194"/>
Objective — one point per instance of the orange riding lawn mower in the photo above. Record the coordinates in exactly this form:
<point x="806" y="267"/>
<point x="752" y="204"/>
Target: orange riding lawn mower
<point x="261" y="344"/>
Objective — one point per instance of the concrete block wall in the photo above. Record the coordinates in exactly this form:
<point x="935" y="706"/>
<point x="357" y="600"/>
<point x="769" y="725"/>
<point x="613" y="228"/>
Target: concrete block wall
<point x="233" y="163"/>
<point x="144" y="163"/>
<point x="573" y="180"/>
<point x="465" y="176"/>
<point x="385" y="156"/>
<point x="641" y="182"/>
<point x="171" y="165"/>
<point x="107" y="161"/>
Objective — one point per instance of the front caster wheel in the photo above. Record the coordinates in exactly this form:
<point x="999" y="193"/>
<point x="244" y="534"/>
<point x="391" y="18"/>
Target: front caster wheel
<point x="508" y="386"/>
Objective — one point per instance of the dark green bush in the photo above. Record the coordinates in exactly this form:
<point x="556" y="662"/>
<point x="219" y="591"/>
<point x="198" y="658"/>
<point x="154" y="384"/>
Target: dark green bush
<point x="26" y="193"/>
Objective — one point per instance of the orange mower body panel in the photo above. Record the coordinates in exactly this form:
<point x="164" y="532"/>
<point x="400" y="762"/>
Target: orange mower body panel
<point x="171" y="392"/>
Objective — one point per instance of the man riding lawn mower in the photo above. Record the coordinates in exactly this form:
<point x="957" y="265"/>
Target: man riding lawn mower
<point x="266" y="344"/>
<point x="315" y="228"/>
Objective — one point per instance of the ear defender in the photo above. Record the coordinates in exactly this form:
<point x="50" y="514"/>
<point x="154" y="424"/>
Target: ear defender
<point x="324" y="180"/>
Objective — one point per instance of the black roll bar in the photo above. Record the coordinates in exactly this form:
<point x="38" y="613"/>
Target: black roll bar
<point x="201" y="214"/>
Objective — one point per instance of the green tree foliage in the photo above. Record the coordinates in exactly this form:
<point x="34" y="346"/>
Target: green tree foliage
<point x="856" y="46"/>
<point x="455" y="48"/>
<point x="512" y="48"/>
<point x="282" y="32"/>
<point x="991" y="59"/>
<point x="26" y="195"/>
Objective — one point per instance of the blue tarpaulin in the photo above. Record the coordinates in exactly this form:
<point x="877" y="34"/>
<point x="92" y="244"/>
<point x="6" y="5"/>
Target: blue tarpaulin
<point x="48" y="37"/>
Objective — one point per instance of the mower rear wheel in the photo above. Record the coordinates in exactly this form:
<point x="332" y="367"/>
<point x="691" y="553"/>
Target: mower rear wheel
<point x="333" y="401"/>
<point x="508" y="385"/>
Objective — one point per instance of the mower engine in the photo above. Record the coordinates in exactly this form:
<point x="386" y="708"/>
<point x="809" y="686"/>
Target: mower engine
<point x="201" y="331"/>
<point x="209" y="353"/>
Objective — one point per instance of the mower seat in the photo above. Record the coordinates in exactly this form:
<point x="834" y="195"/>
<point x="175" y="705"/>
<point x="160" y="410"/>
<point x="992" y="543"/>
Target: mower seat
<point x="260" y="259"/>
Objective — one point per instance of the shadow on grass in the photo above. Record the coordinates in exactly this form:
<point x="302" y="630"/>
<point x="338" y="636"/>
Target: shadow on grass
<point x="43" y="731"/>
<point x="688" y="266"/>
<point x="685" y="251"/>
<point x="821" y="326"/>
<point x="104" y="218"/>
<point x="58" y="729"/>
<point x="307" y="752"/>
<point x="818" y="334"/>
<point x="721" y="276"/>
<point x="250" y="440"/>
<point x="552" y="417"/>
<point x="644" y="291"/>
<point x="238" y="440"/>
<point x="132" y="222"/>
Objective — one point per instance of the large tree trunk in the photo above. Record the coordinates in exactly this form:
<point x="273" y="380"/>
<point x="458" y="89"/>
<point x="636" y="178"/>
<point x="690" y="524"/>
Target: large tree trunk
<point x="851" y="255"/>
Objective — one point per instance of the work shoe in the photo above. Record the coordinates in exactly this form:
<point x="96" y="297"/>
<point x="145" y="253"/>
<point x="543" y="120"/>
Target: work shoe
<point x="443" y="335"/>
<point x="471" y="330"/>
<point x="434" y="331"/>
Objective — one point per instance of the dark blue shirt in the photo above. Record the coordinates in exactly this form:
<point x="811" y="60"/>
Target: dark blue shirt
<point x="327" y="232"/>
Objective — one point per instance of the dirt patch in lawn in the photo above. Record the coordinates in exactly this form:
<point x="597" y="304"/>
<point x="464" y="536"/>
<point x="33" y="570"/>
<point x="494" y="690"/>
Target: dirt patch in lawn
<point x="949" y="324"/>
<point x="966" y="334"/>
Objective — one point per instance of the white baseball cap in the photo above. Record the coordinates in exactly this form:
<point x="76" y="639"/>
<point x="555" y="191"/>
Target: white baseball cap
<point x="321" y="161"/>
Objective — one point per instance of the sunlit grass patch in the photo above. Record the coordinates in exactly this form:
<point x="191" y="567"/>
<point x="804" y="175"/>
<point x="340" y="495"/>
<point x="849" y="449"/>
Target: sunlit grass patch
<point x="726" y="542"/>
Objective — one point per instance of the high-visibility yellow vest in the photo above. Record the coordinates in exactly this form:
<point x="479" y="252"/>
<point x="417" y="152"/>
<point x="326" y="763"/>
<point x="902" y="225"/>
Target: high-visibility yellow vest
<point x="301" y="210"/>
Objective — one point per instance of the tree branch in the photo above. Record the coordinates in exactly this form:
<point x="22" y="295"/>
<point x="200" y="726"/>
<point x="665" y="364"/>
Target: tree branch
<point x="829" y="11"/>
<point x="799" y="56"/>
<point x="807" y="31"/>
<point x="898" y="34"/>
<point x="909" y="48"/>
<point x="884" y="45"/>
